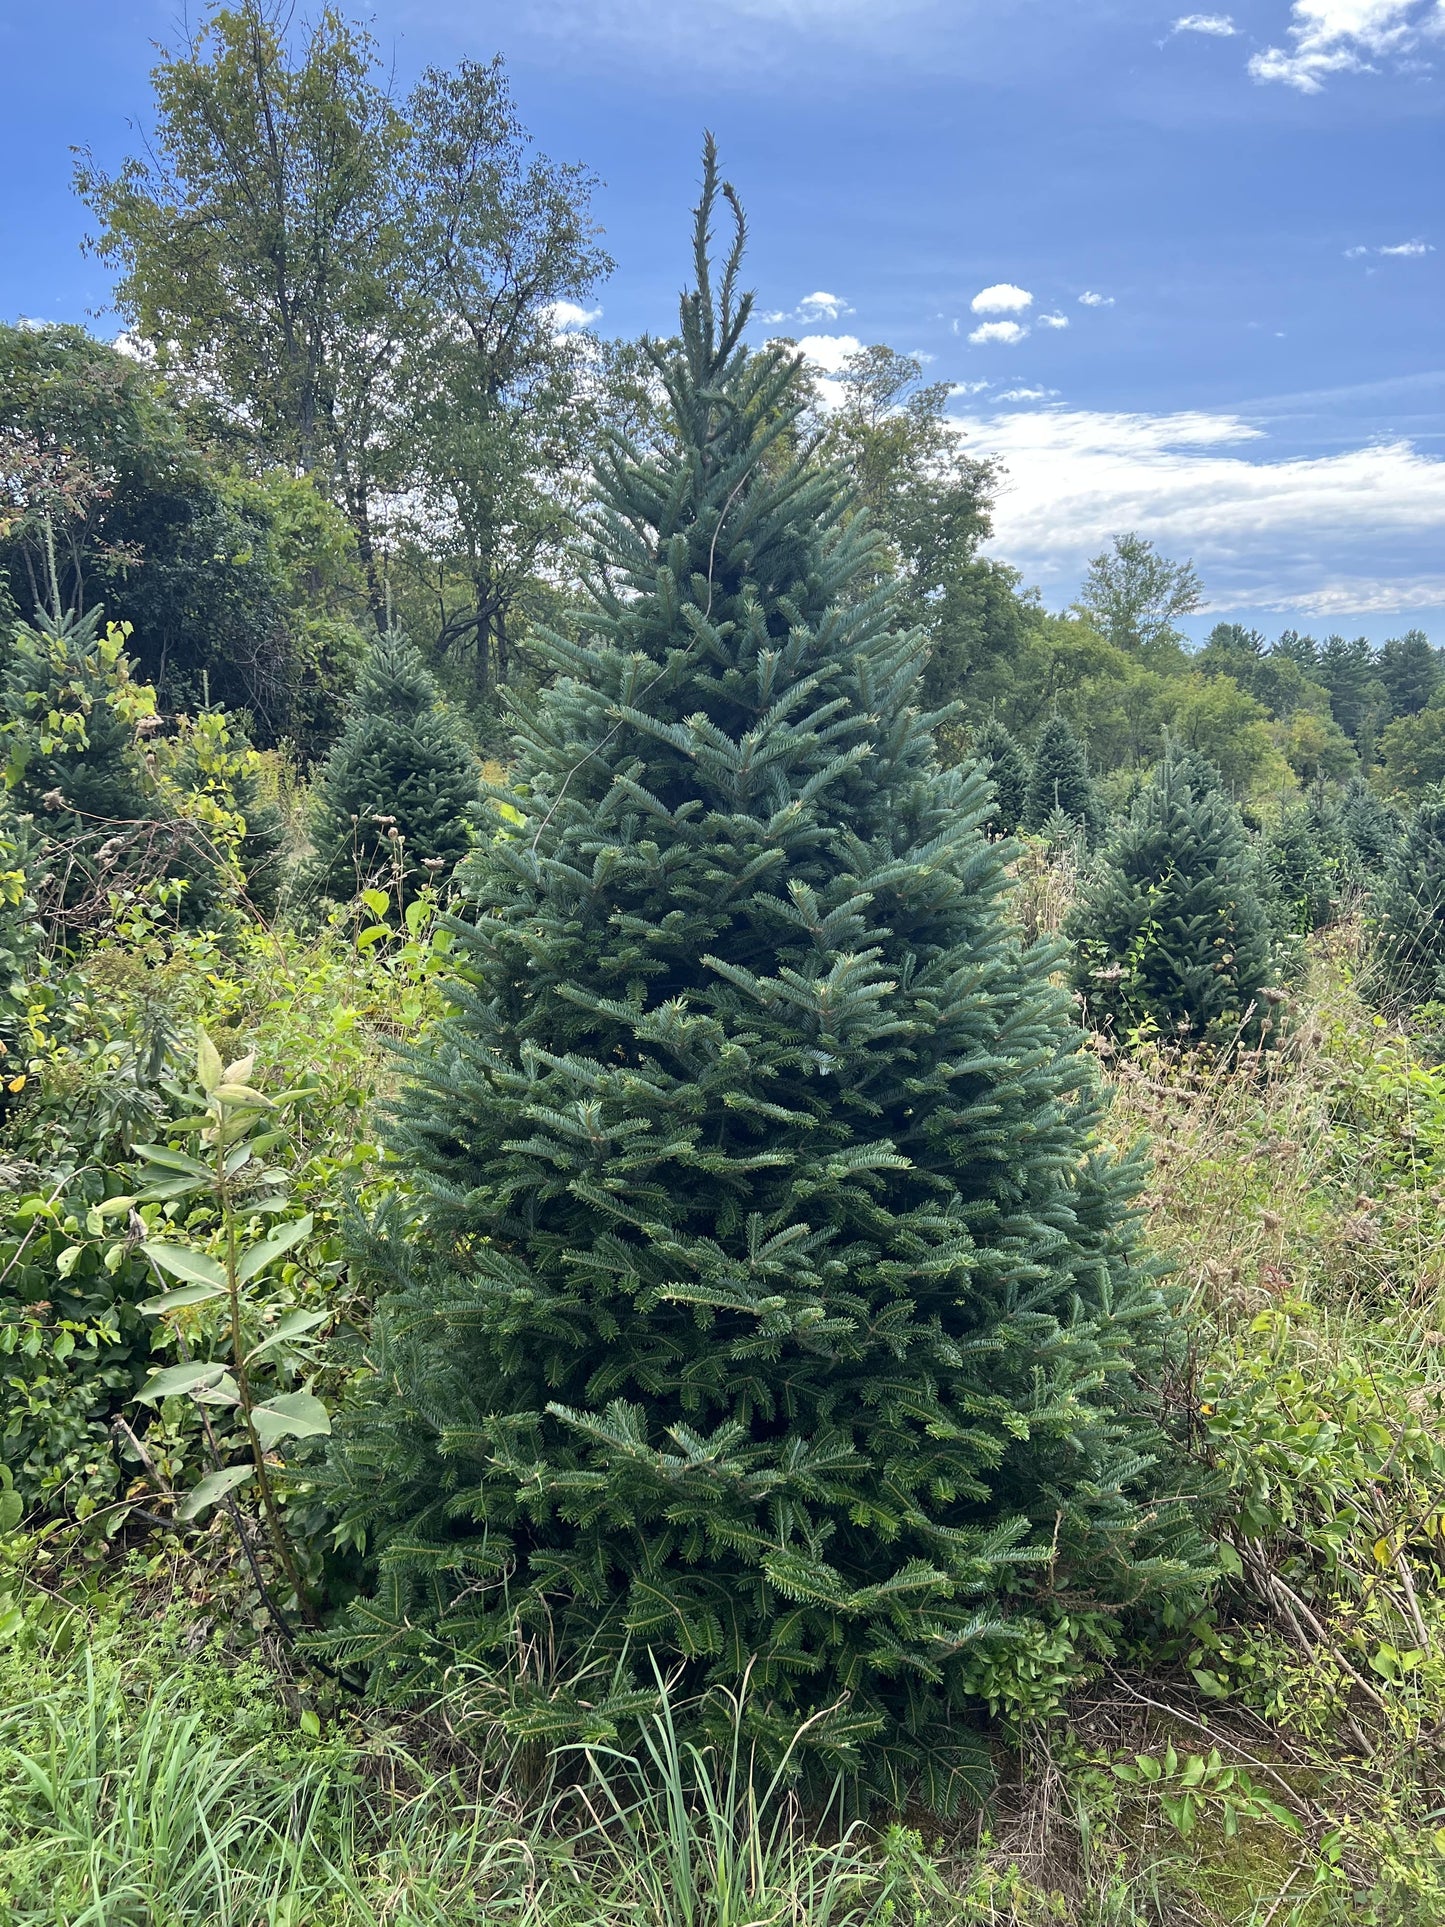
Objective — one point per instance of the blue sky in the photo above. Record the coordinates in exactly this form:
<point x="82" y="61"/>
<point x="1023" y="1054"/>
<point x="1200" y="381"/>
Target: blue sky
<point x="1228" y="226"/>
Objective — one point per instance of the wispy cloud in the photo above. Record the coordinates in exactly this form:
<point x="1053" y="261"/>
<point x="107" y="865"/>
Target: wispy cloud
<point x="1218" y="24"/>
<point x="1028" y="394"/>
<point x="1345" y="37"/>
<point x="813" y="308"/>
<point x="1001" y="333"/>
<point x="1002" y="298"/>
<point x="1401" y="251"/>
<point x="1053" y="321"/>
<point x="1334" y="534"/>
<point x="1088" y="299"/>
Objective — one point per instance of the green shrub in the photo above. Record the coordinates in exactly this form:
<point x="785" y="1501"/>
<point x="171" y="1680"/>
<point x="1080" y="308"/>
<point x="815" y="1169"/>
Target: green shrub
<point x="120" y="805"/>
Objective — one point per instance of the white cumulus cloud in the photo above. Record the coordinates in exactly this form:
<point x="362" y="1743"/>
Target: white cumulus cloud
<point x="1345" y="37"/>
<point x="1088" y="299"/>
<point x="562" y="315"/>
<point x="1053" y="321"/>
<point x="1002" y="298"/>
<point x="1218" y="24"/>
<point x="822" y="306"/>
<point x="831" y="353"/>
<point x="1004" y="332"/>
<point x="1328" y="535"/>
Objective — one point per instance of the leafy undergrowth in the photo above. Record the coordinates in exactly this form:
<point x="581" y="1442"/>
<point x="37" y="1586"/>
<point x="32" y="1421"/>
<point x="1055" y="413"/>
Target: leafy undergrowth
<point x="1273" y="1761"/>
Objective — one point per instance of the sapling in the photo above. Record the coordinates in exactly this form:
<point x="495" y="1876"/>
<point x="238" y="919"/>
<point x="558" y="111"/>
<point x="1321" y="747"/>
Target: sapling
<point x="261" y="1352"/>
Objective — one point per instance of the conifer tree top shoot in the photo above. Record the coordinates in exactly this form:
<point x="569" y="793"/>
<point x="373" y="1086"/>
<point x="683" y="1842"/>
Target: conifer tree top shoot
<point x="765" y="1306"/>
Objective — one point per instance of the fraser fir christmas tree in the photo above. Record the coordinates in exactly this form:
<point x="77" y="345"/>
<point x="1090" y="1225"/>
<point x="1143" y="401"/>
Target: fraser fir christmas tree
<point x="1004" y="763"/>
<point x="1170" y="935"/>
<point x="767" y="1306"/>
<point x="1372" y="832"/>
<point x="1060" y="780"/>
<point x="1302" y="868"/>
<point x="394" y="797"/>
<point x="1408" y="921"/>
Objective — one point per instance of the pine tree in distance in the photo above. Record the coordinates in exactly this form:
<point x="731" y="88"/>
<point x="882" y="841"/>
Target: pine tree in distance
<point x="767" y="1306"/>
<point x="394" y="797"/>
<point x="1170" y="936"/>
<point x="1004" y="763"/>
<point x="1060" y="780"/>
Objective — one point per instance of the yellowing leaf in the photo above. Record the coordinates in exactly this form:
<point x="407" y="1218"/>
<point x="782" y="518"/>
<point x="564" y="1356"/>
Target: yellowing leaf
<point x="209" y="1068"/>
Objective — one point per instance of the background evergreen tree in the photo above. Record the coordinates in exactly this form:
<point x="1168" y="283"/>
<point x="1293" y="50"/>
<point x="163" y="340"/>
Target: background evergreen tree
<point x="1000" y="758"/>
<point x="1408" y="960"/>
<point x="401" y="763"/>
<point x="1372" y="831"/>
<point x="1060" y="780"/>
<point x="1409" y="669"/>
<point x="765" y="1304"/>
<point x="1169" y="932"/>
<point x="1302" y="867"/>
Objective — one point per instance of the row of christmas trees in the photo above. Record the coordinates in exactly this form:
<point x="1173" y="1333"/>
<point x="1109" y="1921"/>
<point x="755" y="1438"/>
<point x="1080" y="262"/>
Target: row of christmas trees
<point x="1186" y="922"/>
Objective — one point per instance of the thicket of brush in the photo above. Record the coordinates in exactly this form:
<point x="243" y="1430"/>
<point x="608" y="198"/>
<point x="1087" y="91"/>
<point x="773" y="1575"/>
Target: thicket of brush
<point x="167" y="1750"/>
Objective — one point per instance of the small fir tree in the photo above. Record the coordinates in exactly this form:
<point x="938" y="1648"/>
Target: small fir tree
<point x="1004" y="763"/>
<point x="1302" y="868"/>
<point x="1060" y="780"/>
<point x="1372" y="831"/>
<point x="767" y="1303"/>
<point x="1408" y="919"/>
<point x="395" y="798"/>
<point x="1170" y="936"/>
<point x="71" y="711"/>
